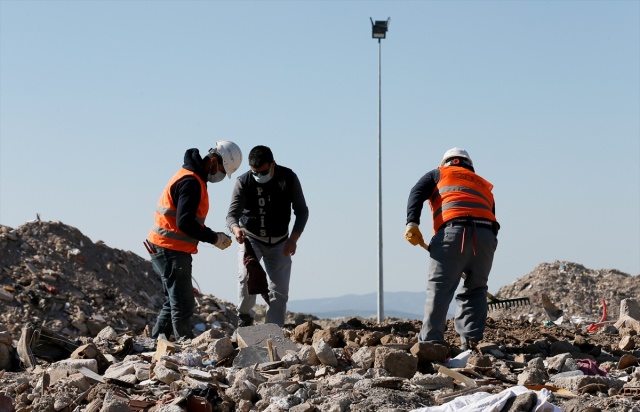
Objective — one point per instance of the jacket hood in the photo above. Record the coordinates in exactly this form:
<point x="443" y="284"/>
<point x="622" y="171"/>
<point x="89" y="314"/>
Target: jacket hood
<point x="193" y="162"/>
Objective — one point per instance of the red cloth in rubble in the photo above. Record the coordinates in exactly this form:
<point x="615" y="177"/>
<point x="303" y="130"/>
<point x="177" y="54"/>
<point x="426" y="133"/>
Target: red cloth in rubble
<point x="257" y="277"/>
<point x="590" y="367"/>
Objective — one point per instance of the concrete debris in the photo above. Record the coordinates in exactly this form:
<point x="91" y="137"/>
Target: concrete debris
<point x="569" y="290"/>
<point x="74" y="337"/>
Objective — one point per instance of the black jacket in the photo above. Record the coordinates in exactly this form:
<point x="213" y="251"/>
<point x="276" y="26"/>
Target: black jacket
<point x="264" y="209"/>
<point x="185" y="194"/>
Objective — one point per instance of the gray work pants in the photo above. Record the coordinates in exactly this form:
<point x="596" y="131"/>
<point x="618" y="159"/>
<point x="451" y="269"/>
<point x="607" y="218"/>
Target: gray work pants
<point x="278" y="268"/>
<point x="449" y="259"/>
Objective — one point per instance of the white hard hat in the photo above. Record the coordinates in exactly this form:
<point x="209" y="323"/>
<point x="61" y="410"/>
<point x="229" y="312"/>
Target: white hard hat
<point x="455" y="152"/>
<point x="231" y="155"/>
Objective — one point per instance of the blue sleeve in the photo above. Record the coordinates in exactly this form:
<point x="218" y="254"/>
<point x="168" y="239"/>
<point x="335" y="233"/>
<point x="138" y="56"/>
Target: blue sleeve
<point x="420" y="193"/>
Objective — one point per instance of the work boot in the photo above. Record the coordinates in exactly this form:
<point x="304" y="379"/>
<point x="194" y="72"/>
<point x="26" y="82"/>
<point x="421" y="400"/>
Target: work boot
<point x="24" y="347"/>
<point x="48" y="338"/>
<point x="49" y="345"/>
<point x="469" y="344"/>
<point x="244" y="320"/>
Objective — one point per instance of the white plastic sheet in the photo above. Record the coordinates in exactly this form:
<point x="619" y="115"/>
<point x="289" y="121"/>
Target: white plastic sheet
<point x="459" y="361"/>
<point x="486" y="402"/>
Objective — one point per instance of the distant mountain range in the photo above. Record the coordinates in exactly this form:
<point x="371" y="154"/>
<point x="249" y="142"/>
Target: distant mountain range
<point x="403" y="305"/>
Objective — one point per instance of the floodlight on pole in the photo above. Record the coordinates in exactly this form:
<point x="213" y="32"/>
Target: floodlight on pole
<point x="379" y="28"/>
<point x="379" y="31"/>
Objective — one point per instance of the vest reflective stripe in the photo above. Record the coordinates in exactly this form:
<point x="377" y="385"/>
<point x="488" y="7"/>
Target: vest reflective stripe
<point x="165" y="211"/>
<point x="468" y="205"/>
<point x="174" y="235"/>
<point x="460" y="193"/>
<point x="165" y="232"/>
<point x="173" y="213"/>
<point x="460" y="189"/>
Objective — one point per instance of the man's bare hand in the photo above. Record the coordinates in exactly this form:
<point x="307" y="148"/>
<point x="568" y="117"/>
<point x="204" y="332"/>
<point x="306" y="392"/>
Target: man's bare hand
<point x="239" y="233"/>
<point x="290" y="246"/>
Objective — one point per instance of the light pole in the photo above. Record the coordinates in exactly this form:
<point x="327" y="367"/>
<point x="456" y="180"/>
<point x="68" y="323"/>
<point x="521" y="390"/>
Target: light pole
<point x="379" y="31"/>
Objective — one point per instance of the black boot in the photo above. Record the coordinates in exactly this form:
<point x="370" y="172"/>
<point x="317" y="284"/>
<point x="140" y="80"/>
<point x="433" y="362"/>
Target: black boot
<point x="244" y="320"/>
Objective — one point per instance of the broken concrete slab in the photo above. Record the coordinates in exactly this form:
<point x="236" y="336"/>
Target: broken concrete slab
<point x="250" y="356"/>
<point x="258" y="335"/>
<point x="219" y="349"/>
<point x="364" y="357"/>
<point x="66" y="367"/>
<point x="120" y="369"/>
<point x="207" y="336"/>
<point x="324" y="352"/>
<point x="630" y="307"/>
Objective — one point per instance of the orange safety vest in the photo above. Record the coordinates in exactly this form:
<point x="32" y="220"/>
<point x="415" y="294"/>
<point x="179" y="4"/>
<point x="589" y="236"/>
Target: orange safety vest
<point x="461" y="193"/>
<point x="165" y="232"/>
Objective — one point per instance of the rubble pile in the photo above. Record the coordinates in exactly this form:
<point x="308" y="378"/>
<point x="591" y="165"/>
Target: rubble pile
<point x="57" y="277"/>
<point x="575" y="290"/>
<point x="73" y="337"/>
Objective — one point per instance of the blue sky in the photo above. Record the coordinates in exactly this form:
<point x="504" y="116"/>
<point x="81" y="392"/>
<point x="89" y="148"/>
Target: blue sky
<point x="100" y="99"/>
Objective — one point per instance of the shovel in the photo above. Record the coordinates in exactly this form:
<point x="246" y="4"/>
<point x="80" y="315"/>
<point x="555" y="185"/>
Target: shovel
<point x="494" y="303"/>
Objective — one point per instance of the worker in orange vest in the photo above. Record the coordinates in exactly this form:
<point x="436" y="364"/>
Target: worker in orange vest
<point x="464" y="241"/>
<point x="179" y="226"/>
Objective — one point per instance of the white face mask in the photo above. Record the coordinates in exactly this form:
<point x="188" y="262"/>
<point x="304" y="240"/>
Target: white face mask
<point x="263" y="178"/>
<point x="216" y="178"/>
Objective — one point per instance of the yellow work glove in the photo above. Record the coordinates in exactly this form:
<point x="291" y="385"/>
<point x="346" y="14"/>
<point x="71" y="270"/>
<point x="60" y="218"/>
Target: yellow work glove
<point x="413" y="235"/>
<point x="223" y="241"/>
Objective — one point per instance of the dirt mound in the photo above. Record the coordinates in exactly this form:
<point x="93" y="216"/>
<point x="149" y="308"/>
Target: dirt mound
<point x="575" y="290"/>
<point x="56" y="277"/>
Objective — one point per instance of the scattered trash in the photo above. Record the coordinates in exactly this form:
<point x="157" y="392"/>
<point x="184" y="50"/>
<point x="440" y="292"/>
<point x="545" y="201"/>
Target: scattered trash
<point x="484" y="401"/>
<point x="460" y="361"/>
<point x="595" y="326"/>
<point x="552" y="310"/>
<point x="590" y="367"/>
